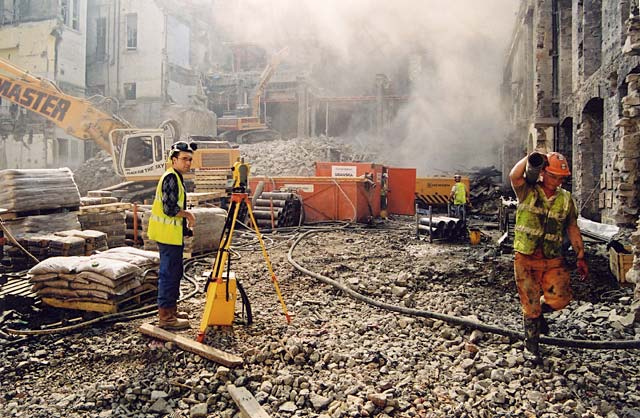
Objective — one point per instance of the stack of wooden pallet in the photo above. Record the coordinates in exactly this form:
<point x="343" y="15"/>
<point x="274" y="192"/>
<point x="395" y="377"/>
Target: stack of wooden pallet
<point x="101" y="283"/>
<point x="211" y="180"/>
<point x="109" y="218"/>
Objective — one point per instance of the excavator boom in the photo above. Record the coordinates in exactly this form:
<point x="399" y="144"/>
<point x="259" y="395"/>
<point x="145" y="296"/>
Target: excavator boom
<point x="77" y="117"/>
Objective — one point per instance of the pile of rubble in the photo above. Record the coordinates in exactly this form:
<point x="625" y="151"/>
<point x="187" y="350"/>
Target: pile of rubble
<point x="341" y="357"/>
<point x="96" y="173"/>
<point x="295" y="157"/>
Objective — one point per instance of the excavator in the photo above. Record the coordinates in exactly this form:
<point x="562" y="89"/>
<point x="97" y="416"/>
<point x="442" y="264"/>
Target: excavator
<point x="249" y="128"/>
<point x="139" y="155"/>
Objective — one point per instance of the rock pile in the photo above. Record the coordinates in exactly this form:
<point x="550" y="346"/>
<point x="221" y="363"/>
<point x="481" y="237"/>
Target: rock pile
<point x="96" y="173"/>
<point x="294" y="157"/>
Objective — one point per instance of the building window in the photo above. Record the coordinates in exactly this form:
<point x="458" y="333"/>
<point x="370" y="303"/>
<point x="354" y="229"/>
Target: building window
<point x="70" y="11"/>
<point x="132" y="31"/>
<point x="130" y="91"/>
<point x="101" y="38"/>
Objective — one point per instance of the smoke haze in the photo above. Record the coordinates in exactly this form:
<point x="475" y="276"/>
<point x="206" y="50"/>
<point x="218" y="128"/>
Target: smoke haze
<point x="454" y="49"/>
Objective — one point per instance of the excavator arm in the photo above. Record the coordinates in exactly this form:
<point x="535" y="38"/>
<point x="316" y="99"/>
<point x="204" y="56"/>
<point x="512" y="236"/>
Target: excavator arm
<point x="266" y="75"/>
<point x="76" y="116"/>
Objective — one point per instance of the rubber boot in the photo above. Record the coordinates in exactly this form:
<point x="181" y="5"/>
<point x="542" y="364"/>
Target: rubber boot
<point x="168" y="320"/>
<point x="532" y="338"/>
<point x="544" y="325"/>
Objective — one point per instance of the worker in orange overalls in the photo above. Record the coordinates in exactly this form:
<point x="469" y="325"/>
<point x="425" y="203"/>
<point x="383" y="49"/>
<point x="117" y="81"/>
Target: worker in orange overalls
<point x="545" y="214"/>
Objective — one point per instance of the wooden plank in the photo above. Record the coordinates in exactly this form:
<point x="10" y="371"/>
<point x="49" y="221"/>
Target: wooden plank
<point x="205" y="351"/>
<point x="247" y="404"/>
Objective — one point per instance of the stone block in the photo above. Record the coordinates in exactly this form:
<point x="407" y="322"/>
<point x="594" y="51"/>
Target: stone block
<point x="631" y="101"/>
<point x="630" y="141"/>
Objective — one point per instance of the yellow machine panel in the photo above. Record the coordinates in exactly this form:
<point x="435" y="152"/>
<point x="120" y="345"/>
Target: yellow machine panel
<point x="223" y="309"/>
<point x="434" y="191"/>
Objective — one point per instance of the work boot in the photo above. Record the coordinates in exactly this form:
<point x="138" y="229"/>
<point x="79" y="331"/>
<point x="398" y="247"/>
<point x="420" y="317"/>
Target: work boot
<point x="180" y="314"/>
<point x="168" y="320"/>
<point x="532" y="338"/>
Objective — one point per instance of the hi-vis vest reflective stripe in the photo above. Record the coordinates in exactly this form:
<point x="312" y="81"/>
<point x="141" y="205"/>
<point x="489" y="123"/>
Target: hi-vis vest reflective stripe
<point x="539" y="220"/>
<point x="162" y="228"/>
<point x="460" y="194"/>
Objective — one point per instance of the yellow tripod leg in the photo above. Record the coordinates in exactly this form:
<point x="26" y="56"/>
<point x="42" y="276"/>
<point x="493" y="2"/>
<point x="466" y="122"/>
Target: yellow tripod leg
<point x="274" y="279"/>
<point x="221" y="258"/>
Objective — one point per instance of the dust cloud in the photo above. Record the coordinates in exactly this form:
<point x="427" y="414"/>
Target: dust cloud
<point x="446" y="55"/>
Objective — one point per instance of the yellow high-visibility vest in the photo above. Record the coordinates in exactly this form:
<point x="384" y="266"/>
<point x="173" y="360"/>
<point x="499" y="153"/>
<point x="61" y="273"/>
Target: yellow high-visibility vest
<point x="539" y="221"/>
<point x="459" y="194"/>
<point x="163" y="228"/>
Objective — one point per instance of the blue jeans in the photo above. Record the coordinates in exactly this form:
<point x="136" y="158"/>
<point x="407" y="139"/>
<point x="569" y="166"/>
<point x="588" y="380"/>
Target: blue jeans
<point x="169" y="276"/>
<point x="460" y="212"/>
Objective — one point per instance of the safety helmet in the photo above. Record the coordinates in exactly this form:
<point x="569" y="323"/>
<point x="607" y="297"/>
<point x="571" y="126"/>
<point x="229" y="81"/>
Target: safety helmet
<point x="457" y="177"/>
<point x="558" y="165"/>
<point x="184" y="146"/>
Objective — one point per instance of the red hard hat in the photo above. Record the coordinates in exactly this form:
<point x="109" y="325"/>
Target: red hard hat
<point x="558" y="165"/>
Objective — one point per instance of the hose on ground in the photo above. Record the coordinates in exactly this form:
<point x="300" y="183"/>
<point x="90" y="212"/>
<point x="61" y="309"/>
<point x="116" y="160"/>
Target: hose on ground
<point x="468" y="323"/>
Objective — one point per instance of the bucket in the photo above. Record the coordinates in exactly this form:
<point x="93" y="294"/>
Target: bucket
<point x="474" y="236"/>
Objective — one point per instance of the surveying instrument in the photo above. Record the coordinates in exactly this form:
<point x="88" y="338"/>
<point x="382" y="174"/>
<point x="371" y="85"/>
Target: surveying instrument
<point x="222" y="287"/>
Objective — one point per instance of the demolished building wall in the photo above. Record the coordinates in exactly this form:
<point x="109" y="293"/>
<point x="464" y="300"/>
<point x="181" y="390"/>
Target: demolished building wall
<point x="49" y="42"/>
<point x="149" y="55"/>
<point x="594" y="47"/>
<point x="574" y="51"/>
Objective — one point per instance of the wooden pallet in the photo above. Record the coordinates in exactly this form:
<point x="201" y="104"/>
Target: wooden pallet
<point x="107" y="207"/>
<point x="194" y="199"/>
<point x="108" y="306"/>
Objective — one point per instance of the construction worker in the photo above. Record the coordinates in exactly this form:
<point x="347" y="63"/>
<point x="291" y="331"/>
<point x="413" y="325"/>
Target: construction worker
<point x="545" y="214"/>
<point x="168" y="224"/>
<point x="459" y="197"/>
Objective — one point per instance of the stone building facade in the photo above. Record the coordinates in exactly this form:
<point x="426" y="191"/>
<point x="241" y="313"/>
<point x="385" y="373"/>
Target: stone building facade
<point x="564" y="86"/>
<point x="572" y="84"/>
<point x="46" y="38"/>
<point x="150" y="55"/>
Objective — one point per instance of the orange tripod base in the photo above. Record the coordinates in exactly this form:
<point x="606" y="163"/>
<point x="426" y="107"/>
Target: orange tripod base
<point x="200" y="337"/>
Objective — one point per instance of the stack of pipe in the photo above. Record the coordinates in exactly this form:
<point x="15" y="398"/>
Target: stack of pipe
<point x="277" y="209"/>
<point x="442" y="227"/>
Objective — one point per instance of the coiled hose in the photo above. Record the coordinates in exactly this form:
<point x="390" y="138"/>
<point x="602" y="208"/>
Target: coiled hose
<point x="468" y="323"/>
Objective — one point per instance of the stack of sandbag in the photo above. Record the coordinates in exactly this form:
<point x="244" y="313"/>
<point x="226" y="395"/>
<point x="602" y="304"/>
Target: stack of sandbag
<point x="102" y="279"/>
<point x="206" y="233"/>
<point x="30" y="190"/>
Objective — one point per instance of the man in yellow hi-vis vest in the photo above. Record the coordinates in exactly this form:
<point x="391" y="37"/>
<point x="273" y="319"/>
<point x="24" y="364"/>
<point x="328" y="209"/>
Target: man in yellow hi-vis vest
<point x="460" y="197"/>
<point x="168" y="224"/>
<point x="545" y="214"/>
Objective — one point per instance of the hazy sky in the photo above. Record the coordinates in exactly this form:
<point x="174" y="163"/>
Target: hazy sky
<point x="453" y="119"/>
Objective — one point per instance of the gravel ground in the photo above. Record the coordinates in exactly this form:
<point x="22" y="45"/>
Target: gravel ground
<point x="341" y="357"/>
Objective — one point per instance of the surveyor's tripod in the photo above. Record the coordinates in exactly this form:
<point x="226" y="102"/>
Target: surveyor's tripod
<point x="221" y="288"/>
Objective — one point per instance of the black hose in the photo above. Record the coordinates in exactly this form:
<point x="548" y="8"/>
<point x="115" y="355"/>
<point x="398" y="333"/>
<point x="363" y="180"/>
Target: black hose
<point x="468" y="323"/>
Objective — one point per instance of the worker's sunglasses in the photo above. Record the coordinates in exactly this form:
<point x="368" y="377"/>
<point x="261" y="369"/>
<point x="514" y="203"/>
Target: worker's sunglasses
<point x="185" y="146"/>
